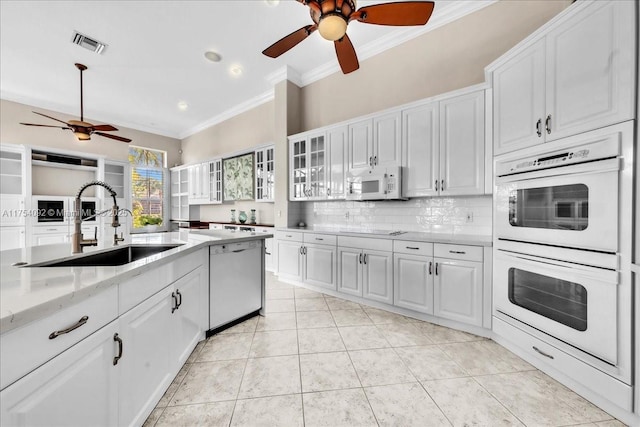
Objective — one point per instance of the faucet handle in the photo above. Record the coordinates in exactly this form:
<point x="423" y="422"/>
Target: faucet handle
<point x="95" y="233"/>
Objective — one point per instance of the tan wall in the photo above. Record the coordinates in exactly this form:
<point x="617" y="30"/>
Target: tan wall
<point x="447" y="58"/>
<point x="242" y="132"/>
<point x="12" y="132"/>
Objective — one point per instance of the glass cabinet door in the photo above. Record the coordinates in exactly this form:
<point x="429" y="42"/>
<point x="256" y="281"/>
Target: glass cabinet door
<point x="215" y="181"/>
<point x="317" y="166"/>
<point x="265" y="174"/>
<point x="299" y="184"/>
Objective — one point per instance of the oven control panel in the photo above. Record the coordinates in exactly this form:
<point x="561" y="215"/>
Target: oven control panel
<point x="551" y="160"/>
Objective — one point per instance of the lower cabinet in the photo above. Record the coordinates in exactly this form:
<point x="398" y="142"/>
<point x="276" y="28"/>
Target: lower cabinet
<point x="366" y="273"/>
<point x="290" y="260"/>
<point x="12" y="238"/>
<point x="413" y="282"/>
<point x="319" y="265"/>
<point x="81" y="381"/>
<point x="458" y="290"/>
<point x="350" y="271"/>
<point x="192" y="313"/>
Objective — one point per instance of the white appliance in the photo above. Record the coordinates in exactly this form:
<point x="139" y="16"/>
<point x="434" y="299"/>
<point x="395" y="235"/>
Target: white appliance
<point x="235" y="281"/>
<point x="566" y="197"/>
<point x="375" y="184"/>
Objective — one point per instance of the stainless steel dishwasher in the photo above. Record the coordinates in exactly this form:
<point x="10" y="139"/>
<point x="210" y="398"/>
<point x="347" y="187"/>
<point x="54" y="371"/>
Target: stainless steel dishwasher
<point x="236" y="276"/>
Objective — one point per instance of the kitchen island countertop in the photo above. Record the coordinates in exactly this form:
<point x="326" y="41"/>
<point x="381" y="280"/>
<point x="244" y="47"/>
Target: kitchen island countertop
<point x="30" y="293"/>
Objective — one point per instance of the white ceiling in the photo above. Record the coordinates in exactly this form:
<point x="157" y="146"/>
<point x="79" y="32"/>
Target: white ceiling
<point x="155" y="56"/>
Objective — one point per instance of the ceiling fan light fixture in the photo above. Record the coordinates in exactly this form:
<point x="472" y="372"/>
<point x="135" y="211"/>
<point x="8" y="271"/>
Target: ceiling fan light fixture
<point x="332" y="26"/>
<point x="82" y="136"/>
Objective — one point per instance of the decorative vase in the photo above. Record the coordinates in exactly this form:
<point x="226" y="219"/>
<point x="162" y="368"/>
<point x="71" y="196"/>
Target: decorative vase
<point x="252" y="219"/>
<point x="242" y="217"/>
<point x="233" y="215"/>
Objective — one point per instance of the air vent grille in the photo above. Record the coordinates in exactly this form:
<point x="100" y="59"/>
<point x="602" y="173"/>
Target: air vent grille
<point x="88" y="42"/>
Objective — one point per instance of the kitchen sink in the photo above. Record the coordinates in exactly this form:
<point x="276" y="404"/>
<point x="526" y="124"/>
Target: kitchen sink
<point x="113" y="257"/>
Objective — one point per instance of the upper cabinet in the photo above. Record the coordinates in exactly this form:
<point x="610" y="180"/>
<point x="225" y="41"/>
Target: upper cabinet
<point x="443" y="147"/>
<point x="336" y="161"/>
<point x="205" y="183"/>
<point x="265" y="174"/>
<point x="374" y="142"/>
<point x="307" y="166"/>
<point x="576" y="75"/>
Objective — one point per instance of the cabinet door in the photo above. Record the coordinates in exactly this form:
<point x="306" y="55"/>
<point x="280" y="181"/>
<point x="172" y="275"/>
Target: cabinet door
<point x="265" y="170"/>
<point x="420" y="151"/>
<point x="49" y="238"/>
<point x="12" y="210"/>
<point x="192" y="313"/>
<point x="462" y="145"/>
<point x="12" y="172"/>
<point x="320" y="265"/>
<point x="148" y="362"/>
<point x="12" y="238"/>
<point x="194" y="184"/>
<point x="336" y="162"/>
<point x="214" y="181"/>
<point x="377" y="276"/>
<point x="317" y="167"/>
<point x="79" y="387"/>
<point x="387" y="145"/>
<point x="298" y="167"/>
<point x="290" y="259"/>
<point x="413" y="282"/>
<point x="590" y="69"/>
<point x="458" y="291"/>
<point x="360" y="146"/>
<point x="518" y="100"/>
<point x="350" y="271"/>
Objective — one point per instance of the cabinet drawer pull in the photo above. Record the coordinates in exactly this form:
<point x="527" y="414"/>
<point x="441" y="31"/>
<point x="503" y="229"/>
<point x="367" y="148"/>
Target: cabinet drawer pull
<point x="365" y="258"/>
<point x="413" y="247"/>
<point x="430" y="267"/>
<point x="360" y="259"/>
<point x="238" y="250"/>
<point x="547" y="124"/>
<point x="457" y="252"/>
<point x="287" y="235"/>
<point x="117" y="339"/>
<point x="180" y="300"/>
<point x="80" y="322"/>
<point x="318" y="238"/>
<point x="436" y="268"/>
<point x="175" y="300"/>
<point x="539" y="128"/>
<point x="542" y="352"/>
<point x="442" y="185"/>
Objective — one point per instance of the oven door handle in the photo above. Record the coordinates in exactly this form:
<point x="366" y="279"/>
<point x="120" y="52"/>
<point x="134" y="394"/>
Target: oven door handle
<point x="575" y="169"/>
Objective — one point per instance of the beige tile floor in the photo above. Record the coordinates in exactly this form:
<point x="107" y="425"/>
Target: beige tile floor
<point x="316" y="360"/>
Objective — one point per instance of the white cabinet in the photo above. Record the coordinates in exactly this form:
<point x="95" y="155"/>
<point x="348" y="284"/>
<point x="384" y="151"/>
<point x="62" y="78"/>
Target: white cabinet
<point x="12" y="170"/>
<point x="443" y="147"/>
<point x="147" y="365"/>
<point x="192" y="312"/>
<point x="365" y="268"/>
<point x="48" y="235"/>
<point x="319" y="260"/>
<point x="118" y="176"/>
<point x="12" y="238"/>
<point x="13" y="186"/>
<point x="413" y="275"/>
<point x="308" y="167"/>
<point x="205" y="183"/>
<point x="289" y="255"/>
<point x="265" y="174"/>
<point x="336" y="161"/>
<point x="215" y="181"/>
<point x="180" y="194"/>
<point x="577" y="76"/>
<point x="77" y="388"/>
<point x="458" y="283"/>
<point x="12" y="211"/>
<point x="420" y="150"/>
<point x="374" y="142"/>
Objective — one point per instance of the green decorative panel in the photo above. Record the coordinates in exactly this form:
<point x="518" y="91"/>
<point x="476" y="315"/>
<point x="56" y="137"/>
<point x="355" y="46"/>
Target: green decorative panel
<point x="238" y="177"/>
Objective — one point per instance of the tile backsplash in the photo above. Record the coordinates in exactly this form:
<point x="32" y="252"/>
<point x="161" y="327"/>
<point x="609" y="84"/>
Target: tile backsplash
<point x="459" y="215"/>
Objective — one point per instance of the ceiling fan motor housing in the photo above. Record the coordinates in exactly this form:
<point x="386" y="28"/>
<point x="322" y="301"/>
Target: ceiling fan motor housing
<point x="332" y="17"/>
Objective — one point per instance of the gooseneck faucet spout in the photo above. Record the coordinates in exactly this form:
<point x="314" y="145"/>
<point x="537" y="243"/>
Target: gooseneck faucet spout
<point x="77" y="240"/>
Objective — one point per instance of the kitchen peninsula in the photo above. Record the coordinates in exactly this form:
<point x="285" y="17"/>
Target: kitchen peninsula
<point x="74" y="338"/>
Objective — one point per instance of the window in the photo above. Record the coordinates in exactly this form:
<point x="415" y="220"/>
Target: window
<point x="147" y="187"/>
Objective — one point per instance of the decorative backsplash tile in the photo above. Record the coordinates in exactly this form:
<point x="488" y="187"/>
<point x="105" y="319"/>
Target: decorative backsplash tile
<point x="430" y="215"/>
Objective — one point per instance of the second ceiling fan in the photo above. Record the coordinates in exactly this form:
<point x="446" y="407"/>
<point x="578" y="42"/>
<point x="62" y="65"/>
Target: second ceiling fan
<point x="331" y="17"/>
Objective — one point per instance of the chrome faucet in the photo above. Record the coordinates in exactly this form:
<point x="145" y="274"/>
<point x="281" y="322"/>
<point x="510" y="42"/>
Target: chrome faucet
<point x="77" y="240"/>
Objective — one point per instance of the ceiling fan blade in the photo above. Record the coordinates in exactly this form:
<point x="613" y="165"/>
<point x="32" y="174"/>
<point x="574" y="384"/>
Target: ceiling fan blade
<point x="45" y="126"/>
<point x="104" y="128"/>
<point x="118" y="138"/>
<point x="49" y="117"/>
<point x="400" y="13"/>
<point x="346" y="55"/>
<point x="287" y="42"/>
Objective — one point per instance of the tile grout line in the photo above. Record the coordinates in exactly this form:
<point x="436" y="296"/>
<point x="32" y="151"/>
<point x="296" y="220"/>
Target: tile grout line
<point x="498" y="400"/>
<point x="244" y="370"/>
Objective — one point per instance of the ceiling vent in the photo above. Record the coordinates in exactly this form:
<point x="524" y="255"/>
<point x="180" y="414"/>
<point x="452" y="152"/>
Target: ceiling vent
<point x="88" y="42"/>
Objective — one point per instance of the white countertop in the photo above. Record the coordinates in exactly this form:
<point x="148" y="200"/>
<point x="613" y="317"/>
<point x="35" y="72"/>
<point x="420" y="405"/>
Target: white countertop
<point x="29" y="293"/>
<point x="459" y="239"/>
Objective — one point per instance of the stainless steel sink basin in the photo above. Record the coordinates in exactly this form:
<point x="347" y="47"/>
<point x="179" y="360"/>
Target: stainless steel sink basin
<point x="113" y="257"/>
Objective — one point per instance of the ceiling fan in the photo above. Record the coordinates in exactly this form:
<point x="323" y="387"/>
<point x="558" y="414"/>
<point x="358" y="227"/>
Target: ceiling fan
<point x="81" y="129"/>
<point x="331" y="17"/>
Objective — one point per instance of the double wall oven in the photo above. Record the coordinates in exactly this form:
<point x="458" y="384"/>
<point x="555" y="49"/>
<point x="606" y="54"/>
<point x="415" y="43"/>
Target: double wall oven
<point x="557" y="264"/>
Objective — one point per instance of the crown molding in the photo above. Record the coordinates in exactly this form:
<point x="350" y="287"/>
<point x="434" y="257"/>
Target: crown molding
<point x="454" y="11"/>
<point x="284" y="73"/>
<point x="232" y="112"/>
<point x="53" y="106"/>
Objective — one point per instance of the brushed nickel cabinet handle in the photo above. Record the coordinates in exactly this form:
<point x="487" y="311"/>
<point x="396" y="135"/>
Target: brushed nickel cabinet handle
<point x="365" y="259"/>
<point x="539" y="128"/>
<point x="175" y="300"/>
<point x="442" y="185"/>
<point x="430" y="267"/>
<point x="180" y="295"/>
<point x="542" y="352"/>
<point x="547" y="124"/>
<point x="360" y="259"/>
<point x="413" y="247"/>
<point x="457" y="252"/>
<point x="79" y="323"/>
<point x="318" y="238"/>
<point x="117" y="339"/>
<point x="436" y="268"/>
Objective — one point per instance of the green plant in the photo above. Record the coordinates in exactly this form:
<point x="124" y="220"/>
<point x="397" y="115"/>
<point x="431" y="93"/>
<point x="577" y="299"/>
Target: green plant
<point x="150" y="220"/>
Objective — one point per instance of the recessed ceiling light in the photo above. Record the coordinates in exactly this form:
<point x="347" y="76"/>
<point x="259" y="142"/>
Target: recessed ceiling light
<point x="182" y="106"/>
<point x="212" y="56"/>
<point x="235" y="70"/>
<point x="272" y="3"/>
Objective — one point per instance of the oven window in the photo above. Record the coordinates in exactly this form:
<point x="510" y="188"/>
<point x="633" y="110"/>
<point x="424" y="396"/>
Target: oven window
<point x="559" y="300"/>
<point x="562" y="207"/>
<point x="51" y="211"/>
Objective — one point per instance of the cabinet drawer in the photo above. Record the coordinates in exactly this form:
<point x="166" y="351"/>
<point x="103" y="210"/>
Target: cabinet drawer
<point x="548" y="355"/>
<point x="414" y="248"/>
<point x="365" y="243"/>
<point x="24" y="349"/>
<point x="321" y="239"/>
<point x="292" y="236"/>
<point x="462" y="252"/>
<point x="215" y="226"/>
<point x="265" y="230"/>
<point x="47" y="229"/>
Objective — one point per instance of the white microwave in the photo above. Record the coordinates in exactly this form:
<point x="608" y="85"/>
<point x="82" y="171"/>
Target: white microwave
<point x="375" y="184"/>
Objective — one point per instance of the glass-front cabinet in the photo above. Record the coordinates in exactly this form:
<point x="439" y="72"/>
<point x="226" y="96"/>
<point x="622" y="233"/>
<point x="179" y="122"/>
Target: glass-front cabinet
<point x="265" y="174"/>
<point x="215" y="181"/>
<point x="308" y="167"/>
